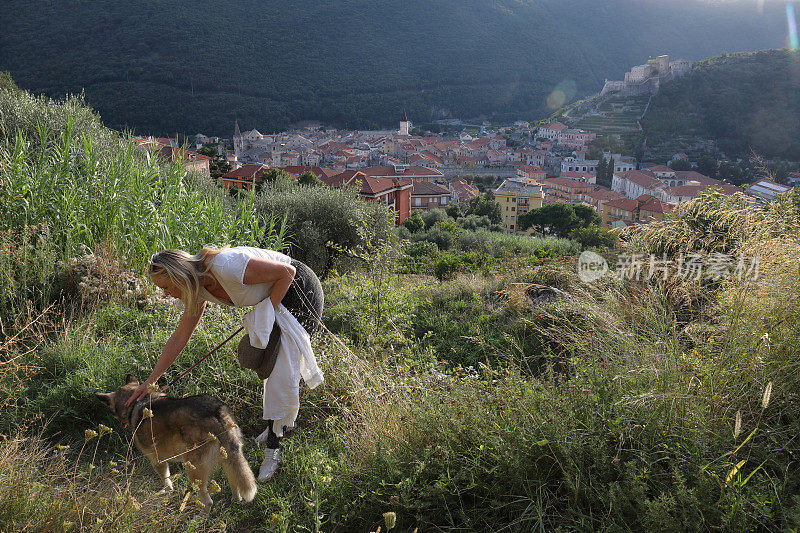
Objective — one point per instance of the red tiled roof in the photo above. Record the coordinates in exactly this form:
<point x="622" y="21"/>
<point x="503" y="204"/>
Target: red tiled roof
<point x="296" y="170"/>
<point x="643" y="178"/>
<point x="577" y="175"/>
<point x="411" y="171"/>
<point x="531" y="168"/>
<point x="247" y="172"/>
<point x="603" y="194"/>
<point x="478" y="143"/>
<point x="371" y="186"/>
<point x="555" y="126"/>
<point x="660" y="168"/>
<point x="627" y="204"/>
<point x="655" y="205"/>
<point x="427" y="188"/>
<point x="567" y="182"/>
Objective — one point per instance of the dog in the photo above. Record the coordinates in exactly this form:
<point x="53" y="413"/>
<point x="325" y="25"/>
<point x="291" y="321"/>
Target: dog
<point x="198" y="430"/>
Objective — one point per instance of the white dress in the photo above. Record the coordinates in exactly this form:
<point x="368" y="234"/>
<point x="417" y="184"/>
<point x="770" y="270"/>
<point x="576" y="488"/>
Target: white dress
<point x="295" y="359"/>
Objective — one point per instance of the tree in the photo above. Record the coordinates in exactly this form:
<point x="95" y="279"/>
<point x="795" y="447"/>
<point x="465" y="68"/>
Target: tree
<point x="308" y="178"/>
<point x="414" y="223"/>
<point x="680" y="164"/>
<point x="559" y="218"/>
<point x="607" y="174"/>
<point x="602" y="168"/>
<point x="218" y="165"/>
<point x="707" y="165"/>
<point x="485" y="204"/>
<point x="453" y="211"/>
<point x="272" y="175"/>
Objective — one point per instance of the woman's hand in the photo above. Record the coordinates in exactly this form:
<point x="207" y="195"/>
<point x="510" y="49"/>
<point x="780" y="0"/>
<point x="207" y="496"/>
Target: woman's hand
<point x="143" y="390"/>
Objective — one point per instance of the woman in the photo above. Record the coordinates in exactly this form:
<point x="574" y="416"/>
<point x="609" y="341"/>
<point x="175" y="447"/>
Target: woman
<point x="287" y="299"/>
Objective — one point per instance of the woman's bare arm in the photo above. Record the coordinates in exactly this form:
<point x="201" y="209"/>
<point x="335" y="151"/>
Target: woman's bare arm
<point x="262" y="270"/>
<point x="174" y="346"/>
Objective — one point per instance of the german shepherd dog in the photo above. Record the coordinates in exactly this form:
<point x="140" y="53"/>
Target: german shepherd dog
<point x="199" y="430"/>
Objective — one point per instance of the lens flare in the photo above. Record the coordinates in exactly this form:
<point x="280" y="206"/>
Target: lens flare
<point x="556" y="99"/>
<point x="793" y="42"/>
<point x="563" y="93"/>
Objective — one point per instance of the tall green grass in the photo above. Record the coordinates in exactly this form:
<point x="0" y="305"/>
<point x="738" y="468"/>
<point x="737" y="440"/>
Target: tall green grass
<point x="67" y="182"/>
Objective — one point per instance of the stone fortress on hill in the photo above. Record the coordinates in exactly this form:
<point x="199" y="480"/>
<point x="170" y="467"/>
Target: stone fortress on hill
<point x="646" y="79"/>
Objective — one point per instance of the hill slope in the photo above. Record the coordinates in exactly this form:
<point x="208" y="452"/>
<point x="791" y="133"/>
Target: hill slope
<point x="164" y="66"/>
<point x="743" y="101"/>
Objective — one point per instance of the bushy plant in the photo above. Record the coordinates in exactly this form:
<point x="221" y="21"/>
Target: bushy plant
<point x="322" y="223"/>
<point x="432" y="216"/>
<point x="595" y="237"/>
<point x="414" y="223"/>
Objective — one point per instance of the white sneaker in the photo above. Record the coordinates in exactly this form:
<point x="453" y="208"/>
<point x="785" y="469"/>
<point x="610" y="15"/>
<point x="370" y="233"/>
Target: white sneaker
<point x="270" y="464"/>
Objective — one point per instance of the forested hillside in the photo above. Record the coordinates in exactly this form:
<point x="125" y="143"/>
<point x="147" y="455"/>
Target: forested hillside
<point x="744" y="101"/>
<point x="162" y="67"/>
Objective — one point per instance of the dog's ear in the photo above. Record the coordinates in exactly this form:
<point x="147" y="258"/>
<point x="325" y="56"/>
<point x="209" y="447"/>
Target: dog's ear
<point x="130" y="379"/>
<point x="104" y="397"/>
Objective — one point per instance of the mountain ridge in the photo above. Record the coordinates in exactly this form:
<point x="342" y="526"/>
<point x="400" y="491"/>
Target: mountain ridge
<point x="353" y="63"/>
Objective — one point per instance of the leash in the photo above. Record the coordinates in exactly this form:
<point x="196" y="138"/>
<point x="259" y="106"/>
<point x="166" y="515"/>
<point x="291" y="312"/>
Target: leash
<point x="206" y="356"/>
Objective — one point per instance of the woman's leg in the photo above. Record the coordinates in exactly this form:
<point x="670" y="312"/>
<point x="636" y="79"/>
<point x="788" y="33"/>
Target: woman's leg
<point x="305" y="301"/>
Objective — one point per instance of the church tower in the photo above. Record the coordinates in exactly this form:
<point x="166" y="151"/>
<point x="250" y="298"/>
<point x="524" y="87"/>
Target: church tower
<point x="238" y="143"/>
<point x="405" y="124"/>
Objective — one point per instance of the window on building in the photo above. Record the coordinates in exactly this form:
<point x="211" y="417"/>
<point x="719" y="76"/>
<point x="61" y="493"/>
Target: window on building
<point x="417" y="202"/>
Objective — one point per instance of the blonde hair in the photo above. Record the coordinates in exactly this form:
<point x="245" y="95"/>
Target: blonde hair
<point x="184" y="270"/>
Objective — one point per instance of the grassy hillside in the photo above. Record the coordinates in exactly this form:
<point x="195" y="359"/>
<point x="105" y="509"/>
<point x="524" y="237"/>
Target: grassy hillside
<point x="744" y="101"/>
<point x="503" y="394"/>
<point x="162" y="66"/>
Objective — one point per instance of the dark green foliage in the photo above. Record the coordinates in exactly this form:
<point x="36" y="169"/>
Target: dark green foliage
<point x="7" y="83"/>
<point x="680" y="164"/>
<point x="454" y="211"/>
<point x="708" y="166"/>
<point x="743" y="101"/>
<point x="594" y="237"/>
<point x="559" y="218"/>
<point x="321" y="222"/>
<point x="450" y="56"/>
<point x="486" y="205"/>
<point x="441" y="238"/>
<point x="307" y="178"/>
<point x="474" y="222"/>
<point x="219" y="166"/>
<point x="431" y="216"/>
<point x="414" y="223"/>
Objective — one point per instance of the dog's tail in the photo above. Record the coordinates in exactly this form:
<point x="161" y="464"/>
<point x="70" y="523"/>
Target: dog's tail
<point x="237" y="470"/>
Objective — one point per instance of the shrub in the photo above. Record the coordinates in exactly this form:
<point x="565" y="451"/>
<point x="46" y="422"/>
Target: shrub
<point x="322" y="222"/>
<point x="440" y="237"/>
<point x="414" y="223"/>
<point x="432" y="216"/>
<point x="474" y="222"/>
<point x="595" y="237"/>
